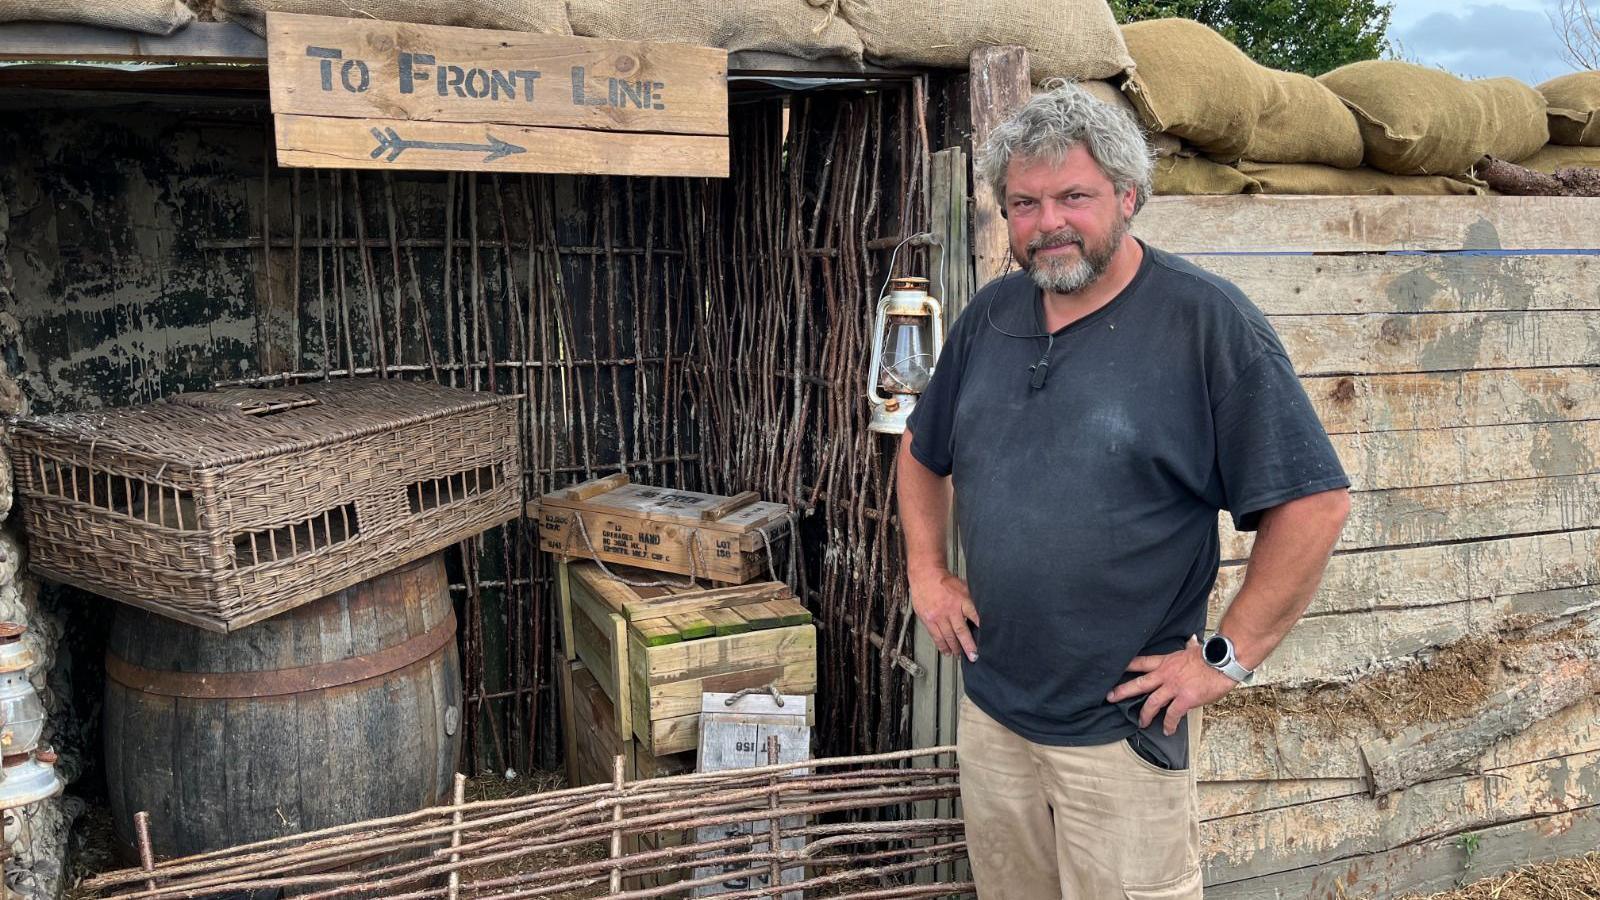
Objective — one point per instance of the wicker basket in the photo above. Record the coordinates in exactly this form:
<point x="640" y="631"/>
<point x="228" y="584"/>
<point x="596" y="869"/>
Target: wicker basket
<point x="223" y="508"/>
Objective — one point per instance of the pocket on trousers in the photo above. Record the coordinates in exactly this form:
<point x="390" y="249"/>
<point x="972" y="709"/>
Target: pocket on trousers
<point x="1145" y="765"/>
<point x="1185" y="887"/>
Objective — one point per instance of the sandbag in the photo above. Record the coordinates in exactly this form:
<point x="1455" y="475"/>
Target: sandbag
<point x="1179" y="175"/>
<point x="790" y="27"/>
<point x="1306" y="178"/>
<point x="1192" y="82"/>
<point x="542" y="16"/>
<point x="1310" y="124"/>
<point x="1555" y="156"/>
<point x="1420" y="121"/>
<point x="1574" y="108"/>
<point x="1178" y="67"/>
<point x="1164" y="145"/>
<point x="1105" y="92"/>
<point x="1076" y="39"/>
<point x="148" y="16"/>
<point x="1108" y="93"/>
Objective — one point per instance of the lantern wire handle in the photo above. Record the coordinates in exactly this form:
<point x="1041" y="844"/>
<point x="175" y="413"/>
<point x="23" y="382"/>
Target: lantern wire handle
<point x="921" y="237"/>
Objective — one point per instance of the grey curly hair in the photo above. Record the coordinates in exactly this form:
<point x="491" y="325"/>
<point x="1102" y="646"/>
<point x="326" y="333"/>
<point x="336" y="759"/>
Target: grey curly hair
<point x="1053" y="122"/>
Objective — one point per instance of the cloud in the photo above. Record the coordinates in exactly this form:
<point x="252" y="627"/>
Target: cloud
<point x="1486" y="40"/>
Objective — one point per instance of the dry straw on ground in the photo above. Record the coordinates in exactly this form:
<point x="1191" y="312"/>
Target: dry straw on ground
<point x="1565" y="879"/>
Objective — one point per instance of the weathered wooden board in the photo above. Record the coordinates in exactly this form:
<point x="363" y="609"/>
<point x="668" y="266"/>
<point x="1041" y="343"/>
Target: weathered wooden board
<point x="1409" y="283"/>
<point x="1000" y="83"/>
<point x="724" y="599"/>
<point x="1303" y="747"/>
<point x="1340" y="646"/>
<point x="740" y="514"/>
<point x="1427" y="749"/>
<point x="1438" y="342"/>
<point x="592" y="643"/>
<point x="1220" y="799"/>
<point x="1368" y="224"/>
<point x="1239" y="847"/>
<point x="1368" y="403"/>
<point x="1443" y="573"/>
<point x="1411" y="516"/>
<point x="1439" y="864"/>
<point x="590" y="722"/>
<point x="682" y="733"/>
<point x="1423" y="458"/>
<point x="374" y="69"/>
<point x="335" y="143"/>
<point x="790" y="670"/>
<point x="668" y="680"/>
<point x="205" y="42"/>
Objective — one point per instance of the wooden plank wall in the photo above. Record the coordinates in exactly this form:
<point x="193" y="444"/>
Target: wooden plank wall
<point x="1450" y="346"/>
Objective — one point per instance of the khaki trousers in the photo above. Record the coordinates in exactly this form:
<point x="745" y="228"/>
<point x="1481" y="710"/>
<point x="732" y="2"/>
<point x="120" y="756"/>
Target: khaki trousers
<point x="1079" y="823"/>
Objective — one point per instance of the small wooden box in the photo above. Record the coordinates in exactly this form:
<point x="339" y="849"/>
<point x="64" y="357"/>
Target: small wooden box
<point x="654" y="651"/>
<point x="725" y="539"/>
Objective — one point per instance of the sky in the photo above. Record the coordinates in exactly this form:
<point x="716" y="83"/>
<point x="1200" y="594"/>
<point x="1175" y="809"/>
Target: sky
<point x="1480" y="39"/>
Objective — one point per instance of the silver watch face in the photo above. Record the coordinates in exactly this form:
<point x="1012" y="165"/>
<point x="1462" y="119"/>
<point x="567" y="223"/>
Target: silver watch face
<point x="1218" y="651"/>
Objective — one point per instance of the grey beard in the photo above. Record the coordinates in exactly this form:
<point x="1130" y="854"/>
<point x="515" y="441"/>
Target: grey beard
<point x="1062" y="278"/>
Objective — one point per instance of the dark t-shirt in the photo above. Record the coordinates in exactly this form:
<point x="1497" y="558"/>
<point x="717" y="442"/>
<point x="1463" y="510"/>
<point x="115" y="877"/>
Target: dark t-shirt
<point x="1088" y="507"/>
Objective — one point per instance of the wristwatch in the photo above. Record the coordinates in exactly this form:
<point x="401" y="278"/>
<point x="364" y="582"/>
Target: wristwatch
<point x="1218" y="652"/>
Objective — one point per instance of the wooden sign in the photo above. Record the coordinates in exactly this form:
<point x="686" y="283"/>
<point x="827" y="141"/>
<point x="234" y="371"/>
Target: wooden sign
<point x="362" y="93"/>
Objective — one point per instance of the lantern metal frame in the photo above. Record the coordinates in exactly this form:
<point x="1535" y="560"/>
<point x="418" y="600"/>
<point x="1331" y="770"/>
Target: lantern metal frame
<point x="908" y="297"/>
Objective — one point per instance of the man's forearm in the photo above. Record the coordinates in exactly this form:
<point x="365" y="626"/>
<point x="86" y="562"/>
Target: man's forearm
<point x="1286" y="564"/>
<point x="924" y="502"/>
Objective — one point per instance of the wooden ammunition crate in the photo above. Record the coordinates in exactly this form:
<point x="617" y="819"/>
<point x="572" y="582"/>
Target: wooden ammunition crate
<point x="727" y="539"/>
<point x="220" y="509"/>
<point x="655" y="650"/>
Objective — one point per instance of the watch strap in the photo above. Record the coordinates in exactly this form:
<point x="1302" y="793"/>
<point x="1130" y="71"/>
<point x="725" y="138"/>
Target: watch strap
<point x="1237" y="672"/>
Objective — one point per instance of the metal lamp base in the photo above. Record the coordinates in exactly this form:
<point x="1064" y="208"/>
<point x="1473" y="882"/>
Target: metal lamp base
<point x="890" y="418"/>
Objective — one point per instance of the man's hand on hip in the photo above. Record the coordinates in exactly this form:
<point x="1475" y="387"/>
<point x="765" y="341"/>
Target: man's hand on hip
<point x="944" y="605"/>
<point x="1179" y="681"/>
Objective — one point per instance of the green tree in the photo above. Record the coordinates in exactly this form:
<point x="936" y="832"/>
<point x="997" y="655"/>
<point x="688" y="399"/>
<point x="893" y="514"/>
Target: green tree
<point x="1309" y="36"/>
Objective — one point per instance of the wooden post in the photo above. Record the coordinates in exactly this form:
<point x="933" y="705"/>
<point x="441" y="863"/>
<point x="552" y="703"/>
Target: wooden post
<point x="276" y="282"/>
<point x="936" y="694"/>
<point x="1000" y="84"/>
<point x="455" y="836"/>
<point x="618" y="778"/>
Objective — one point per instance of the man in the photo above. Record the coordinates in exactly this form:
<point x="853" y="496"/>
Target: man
<point x="1093" y="412"/>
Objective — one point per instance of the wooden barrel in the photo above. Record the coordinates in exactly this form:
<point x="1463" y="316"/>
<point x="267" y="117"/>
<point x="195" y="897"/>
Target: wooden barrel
<point x="346" y="708"/>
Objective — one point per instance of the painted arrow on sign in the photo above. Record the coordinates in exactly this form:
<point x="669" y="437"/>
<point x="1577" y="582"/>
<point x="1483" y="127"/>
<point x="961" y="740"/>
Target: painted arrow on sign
<point x="389" y="141"/>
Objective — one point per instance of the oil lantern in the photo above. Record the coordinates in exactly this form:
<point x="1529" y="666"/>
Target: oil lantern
<point x="907" y="334"/>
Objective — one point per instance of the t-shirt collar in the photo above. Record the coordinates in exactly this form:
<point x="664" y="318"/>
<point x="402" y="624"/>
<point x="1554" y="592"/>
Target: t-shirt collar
<point x="1022" y="311"/>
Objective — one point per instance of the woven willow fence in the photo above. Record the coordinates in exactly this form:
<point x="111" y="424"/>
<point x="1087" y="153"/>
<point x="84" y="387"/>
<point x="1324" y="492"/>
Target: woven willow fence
<point x="847" y="824"/>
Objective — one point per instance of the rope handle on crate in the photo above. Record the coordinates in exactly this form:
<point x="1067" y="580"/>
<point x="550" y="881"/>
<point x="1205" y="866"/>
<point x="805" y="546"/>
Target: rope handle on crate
<point x="790" y="519"/>
<point x="770" y="688"/>
<point x="583" y="532"/>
